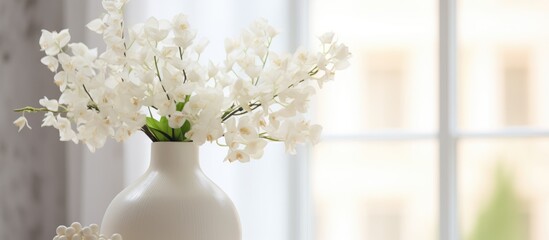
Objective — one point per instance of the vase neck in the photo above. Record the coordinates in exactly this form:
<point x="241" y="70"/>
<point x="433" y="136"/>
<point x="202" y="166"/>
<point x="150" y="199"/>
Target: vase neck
<point x="174" y="156"/>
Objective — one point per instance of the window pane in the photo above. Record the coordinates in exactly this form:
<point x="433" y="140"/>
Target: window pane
<point x="502" y="64"/>
<point x="504" y="189"/>
<point x="375" y="190"/>
<point x="391" y="83"/>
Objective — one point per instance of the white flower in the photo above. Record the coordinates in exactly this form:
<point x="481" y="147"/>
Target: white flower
<point x="97" y="25"/>
<point x="49" y="120"/>
<point x="60" y="79"/>
<point x="199" y="48"/>
<point x="296" y="100"/>
<point x="326" y="38"/>
<point x="212" y="70"/>
<point x="184" y="40"/>
<point x="21" y="122"/>
<point x="242" y="93"/>
<point x="113" y="6"/>
<point x="252" y="96"/>
<point x="66" y="62"/>
<point x="83" y="56"/>
<point x="65" y="130"/>
<point x="53" y="42"/>
<point x="95" y="131"/>
<point x="156" y="30"/>
<point x="207" y="127"/>
<point x="248" y="64"/>
<point x="231" y="133"/>
<point x="176" y="120"/>
<point x="51" y="62"/>
<point x="180" y="25"/>
<point x="237" y="155"/>
<point x="231" y="45"/>
<point x="123" y="133"/>
<point x="341" y="55"/>
<point x="246" y="129"/>
<point x="255" y="147"/>
<point x="51" y="105"/>
<point x="165" y="106"/>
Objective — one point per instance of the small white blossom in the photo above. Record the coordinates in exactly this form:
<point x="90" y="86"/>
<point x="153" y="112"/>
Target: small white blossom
<point x="326" y="38"/>
<point x="51" y="62"/>
<point x="255" y="147"/>
<point x="53" y="42"/>
<point x="180" y="25"/>
<point x="49" y="120"/>
<point x="176" y="120"/>
<point x="51" y="105"/>
<point x="21" y="122"/>
<point x="199" y="48"/>
<point x="156" y="30"/>
<point x="65" y="130"/>
<point x="78" y="232"/>
<point x="246" y="129"/>
<point x="231" y="45"/>
<point x="97" y="25"/>
<point x="238" y="155"/>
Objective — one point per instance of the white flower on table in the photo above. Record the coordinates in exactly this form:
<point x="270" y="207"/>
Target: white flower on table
<point x="78" y="232"/>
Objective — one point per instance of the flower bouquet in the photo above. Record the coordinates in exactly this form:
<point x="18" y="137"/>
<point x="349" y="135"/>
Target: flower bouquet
<point x="151" y="78"/>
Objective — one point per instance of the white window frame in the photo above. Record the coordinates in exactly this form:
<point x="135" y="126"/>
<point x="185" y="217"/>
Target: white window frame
<point x="447" y="135"/>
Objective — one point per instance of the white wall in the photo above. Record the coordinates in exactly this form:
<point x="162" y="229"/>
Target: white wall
<point x="32" y="162"/>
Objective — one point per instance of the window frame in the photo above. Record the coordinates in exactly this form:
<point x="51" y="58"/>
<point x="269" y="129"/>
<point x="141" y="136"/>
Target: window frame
<point x="447" y="136"/>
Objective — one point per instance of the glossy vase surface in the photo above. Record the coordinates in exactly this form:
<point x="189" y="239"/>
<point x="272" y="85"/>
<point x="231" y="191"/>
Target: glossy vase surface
<point x="173" y="200"/>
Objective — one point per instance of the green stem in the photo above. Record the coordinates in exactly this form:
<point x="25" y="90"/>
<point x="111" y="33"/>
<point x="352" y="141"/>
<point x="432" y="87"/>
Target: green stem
<point x="239" y="111"/>
<point x="264" y="60"/>
<point x="271" y="139"/>
<point x="89" y="95"/>
<point x="33" y="109"/>
<point x="159" y="78"/>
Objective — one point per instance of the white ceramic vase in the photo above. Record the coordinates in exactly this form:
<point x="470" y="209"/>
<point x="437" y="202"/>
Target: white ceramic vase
<point x="173" y="200"/>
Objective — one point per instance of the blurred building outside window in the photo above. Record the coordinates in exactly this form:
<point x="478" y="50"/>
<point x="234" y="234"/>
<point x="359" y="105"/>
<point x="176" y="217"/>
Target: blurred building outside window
<point x="375" y="175"/>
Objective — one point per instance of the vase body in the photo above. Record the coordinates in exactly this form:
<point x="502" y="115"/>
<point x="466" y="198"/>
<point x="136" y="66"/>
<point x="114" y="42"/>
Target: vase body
<point x="173" y="200"/>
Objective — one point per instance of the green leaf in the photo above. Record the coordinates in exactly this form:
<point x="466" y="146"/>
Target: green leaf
<point x="177" y="136"/>
<point x="179" y="107"/>
<point x="164" y="125"/>
<point x="162" y="136"/>
<point x="151" y="122"/>
<point x="149" y="134"/>
<point x="159" y="129"/>
<point x="184" y="129"/>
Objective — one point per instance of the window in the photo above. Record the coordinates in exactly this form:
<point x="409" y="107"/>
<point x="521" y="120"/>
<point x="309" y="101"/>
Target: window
<point x="375" y="174"/>
<point x="384" y="81"/>
<point x="420" y="144"/>
<point x="516" y="78"/>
